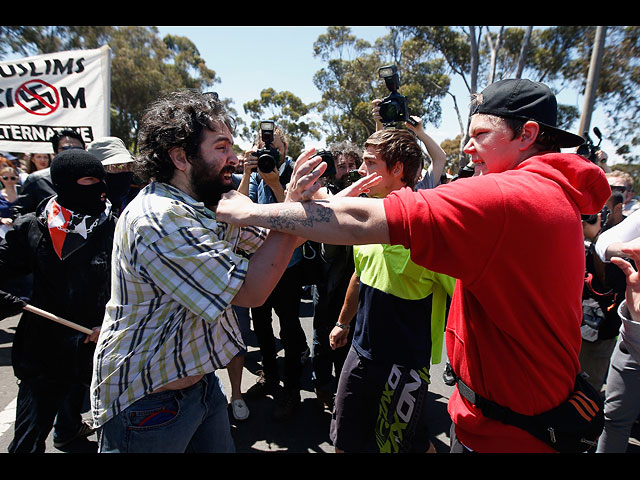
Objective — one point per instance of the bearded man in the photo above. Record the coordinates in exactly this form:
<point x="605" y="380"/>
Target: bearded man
<point x="177" y="272"/>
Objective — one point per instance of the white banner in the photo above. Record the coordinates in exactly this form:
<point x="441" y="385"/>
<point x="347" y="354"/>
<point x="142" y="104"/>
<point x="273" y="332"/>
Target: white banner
<point x="46" y="93"/>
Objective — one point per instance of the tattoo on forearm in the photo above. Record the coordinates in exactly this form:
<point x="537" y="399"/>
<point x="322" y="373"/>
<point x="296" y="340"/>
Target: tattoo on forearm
<point x="287" y="219"/>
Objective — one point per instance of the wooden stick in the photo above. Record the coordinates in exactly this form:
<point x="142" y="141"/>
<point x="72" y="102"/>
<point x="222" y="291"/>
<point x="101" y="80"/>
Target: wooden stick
<point x="58" y="319"/>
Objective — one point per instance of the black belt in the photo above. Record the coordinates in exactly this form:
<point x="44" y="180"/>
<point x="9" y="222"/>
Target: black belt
<point x="491" y="409"/>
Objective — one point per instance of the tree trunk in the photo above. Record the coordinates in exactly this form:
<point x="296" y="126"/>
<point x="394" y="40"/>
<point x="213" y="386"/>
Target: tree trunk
<point x="524" y="50"/>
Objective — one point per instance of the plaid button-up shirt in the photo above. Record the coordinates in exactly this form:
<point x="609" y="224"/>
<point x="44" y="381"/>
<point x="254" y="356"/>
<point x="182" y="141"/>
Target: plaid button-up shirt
<point x="175" y="271"/>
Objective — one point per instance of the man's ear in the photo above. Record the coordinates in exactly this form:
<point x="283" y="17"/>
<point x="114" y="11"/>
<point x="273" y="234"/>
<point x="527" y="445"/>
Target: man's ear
<point x="397" y="169"/>
<point x="529" y="134"/>
<point x="179" y="158"/>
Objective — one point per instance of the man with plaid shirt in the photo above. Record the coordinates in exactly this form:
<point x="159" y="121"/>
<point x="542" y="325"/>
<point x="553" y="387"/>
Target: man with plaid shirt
<point x="176" y="273"/>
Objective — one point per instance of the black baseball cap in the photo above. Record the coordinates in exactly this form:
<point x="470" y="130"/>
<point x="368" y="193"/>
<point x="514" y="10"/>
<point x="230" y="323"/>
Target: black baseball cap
<point x="525" y="100"/>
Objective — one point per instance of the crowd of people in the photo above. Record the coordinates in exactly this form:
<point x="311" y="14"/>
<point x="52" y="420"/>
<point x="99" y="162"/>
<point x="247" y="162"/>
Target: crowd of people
<point x="163" y="263"/>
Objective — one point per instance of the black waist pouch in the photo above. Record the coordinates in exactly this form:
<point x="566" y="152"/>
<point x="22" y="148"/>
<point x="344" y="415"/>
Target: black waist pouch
<point x="574" y="426"/>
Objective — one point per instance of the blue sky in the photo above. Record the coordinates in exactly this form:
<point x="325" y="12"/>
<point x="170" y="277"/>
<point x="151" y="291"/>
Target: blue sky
<point x="248" y="59"/>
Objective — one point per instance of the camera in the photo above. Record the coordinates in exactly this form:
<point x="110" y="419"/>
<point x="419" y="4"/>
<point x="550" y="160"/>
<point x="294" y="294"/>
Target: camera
<point x="395" y="107"/>
<point x="353" y="176"/>
<point x="588" y="150"/>
<point x="592" y="219"/>
<point x="329" y="159"/>
<point x="268" y="156"/>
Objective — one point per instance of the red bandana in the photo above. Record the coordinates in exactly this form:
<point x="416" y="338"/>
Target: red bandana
<point x="58" y="219"/>
<point x="69" y="231"/>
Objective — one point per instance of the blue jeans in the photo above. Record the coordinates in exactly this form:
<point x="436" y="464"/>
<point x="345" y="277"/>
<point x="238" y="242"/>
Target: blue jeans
<point x="193" y="420"/>
<point x="40" y="403"/>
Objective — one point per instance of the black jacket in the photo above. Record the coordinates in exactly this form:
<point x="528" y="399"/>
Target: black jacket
<point x="76" y="289"/>
<point x="607" y="293"/>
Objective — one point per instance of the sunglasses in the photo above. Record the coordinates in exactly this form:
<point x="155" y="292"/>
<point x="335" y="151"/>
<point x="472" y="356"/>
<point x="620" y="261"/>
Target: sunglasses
<point x="618" y="188"/>
<point x="9" y="178"/>
<point x="71" y="147"/>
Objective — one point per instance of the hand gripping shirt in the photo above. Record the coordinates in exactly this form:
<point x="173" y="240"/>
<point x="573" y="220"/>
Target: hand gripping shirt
<point x="175" y="271"/>
<point x="514" y="241"/>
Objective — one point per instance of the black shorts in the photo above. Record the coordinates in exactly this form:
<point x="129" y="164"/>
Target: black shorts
<point x="380" y="408"/>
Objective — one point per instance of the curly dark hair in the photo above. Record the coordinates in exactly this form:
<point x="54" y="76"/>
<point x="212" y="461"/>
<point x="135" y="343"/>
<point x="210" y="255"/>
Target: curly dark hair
<point x="347" y="149"/>
<point x="176" y="120"/>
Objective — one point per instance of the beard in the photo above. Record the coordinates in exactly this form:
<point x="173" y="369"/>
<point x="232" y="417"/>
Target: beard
<point x="209" y="186"/>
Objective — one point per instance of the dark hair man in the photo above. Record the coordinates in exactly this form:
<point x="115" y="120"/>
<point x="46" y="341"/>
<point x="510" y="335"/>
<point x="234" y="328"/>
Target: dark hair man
<point x="603" y="292"/>
<point x="269" y="187"/>
<point x="513" y="332"/>
<point x="330" y="288"/>
<point x="177" y="271"/>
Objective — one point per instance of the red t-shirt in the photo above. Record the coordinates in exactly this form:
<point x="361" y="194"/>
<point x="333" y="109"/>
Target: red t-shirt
<point x="514" y="241"/>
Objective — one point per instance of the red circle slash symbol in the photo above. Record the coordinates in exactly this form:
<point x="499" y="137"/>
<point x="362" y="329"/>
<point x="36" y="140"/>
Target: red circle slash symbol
<point x="38" y="97"/>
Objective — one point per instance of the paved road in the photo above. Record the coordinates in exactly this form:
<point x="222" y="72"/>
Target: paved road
<point x="305" y="433"/>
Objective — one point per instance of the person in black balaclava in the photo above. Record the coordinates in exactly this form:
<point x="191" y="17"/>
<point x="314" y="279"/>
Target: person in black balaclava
<point x="79" y="179"/>
<point x="67" y="245"/>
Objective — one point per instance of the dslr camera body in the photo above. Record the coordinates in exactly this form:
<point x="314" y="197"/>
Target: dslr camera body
<point x="268" y="156"/>
<point x="329" y="159"/>
<point x="588" y="150"/>
<point x="395" y="107"/>
<point x="592" y="219"/>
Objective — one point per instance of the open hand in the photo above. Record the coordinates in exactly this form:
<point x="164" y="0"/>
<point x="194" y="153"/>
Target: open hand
<point x="304" y="180"/>
<point x="632" y="250"/>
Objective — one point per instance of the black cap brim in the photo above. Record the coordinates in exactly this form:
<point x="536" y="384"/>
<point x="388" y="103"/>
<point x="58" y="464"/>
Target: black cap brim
<point x="565" y="139"/>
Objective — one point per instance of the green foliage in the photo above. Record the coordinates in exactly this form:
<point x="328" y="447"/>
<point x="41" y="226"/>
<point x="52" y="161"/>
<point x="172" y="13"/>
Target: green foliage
<point x="349" y="82"/>
<point x="288" y="112"/>
<point x="144" y="66"/>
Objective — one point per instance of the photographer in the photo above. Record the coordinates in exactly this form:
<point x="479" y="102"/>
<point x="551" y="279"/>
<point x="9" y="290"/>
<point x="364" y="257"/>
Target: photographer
<point x="623" y="183"/>
<point x="593" y="152"/>
<point x="431" y="177"/>
<point x="329" y="294"/>
<point x="602" y="293"/>
<point x="265" y="187"/>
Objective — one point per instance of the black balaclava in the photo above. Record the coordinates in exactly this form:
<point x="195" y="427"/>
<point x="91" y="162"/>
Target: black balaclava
<point x="66" y="168"/>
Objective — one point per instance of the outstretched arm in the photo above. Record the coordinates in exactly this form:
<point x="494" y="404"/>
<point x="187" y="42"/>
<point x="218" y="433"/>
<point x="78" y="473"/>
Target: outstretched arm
<point x="338" y="221"/>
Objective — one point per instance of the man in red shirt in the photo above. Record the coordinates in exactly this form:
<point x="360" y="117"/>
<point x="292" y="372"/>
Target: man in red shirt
<point x="512" y="236"/>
